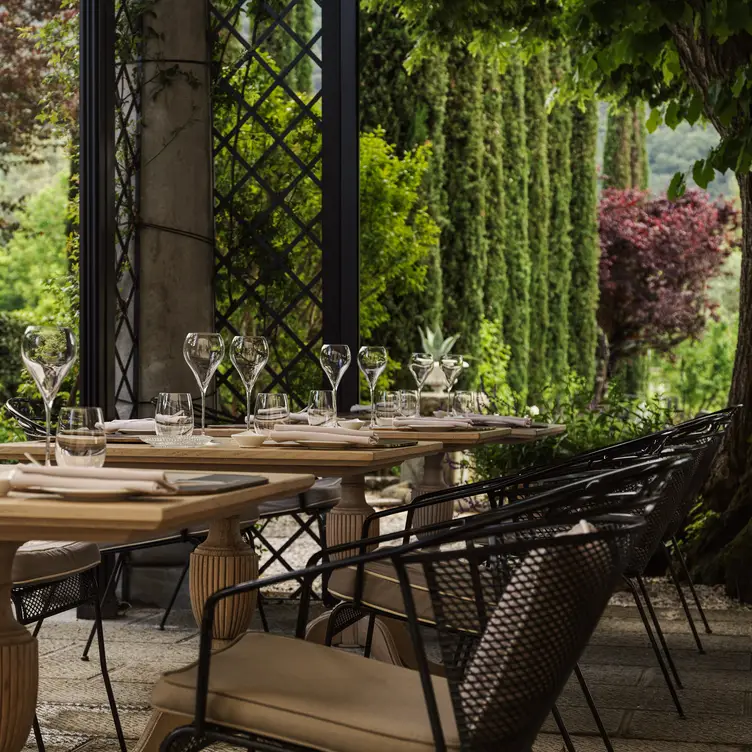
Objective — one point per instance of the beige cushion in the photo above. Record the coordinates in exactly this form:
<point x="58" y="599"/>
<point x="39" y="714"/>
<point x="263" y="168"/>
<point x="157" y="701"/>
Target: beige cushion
<point x="308" y="694"/>
<point x="381" y="588"/>
<point x="39" y="561"/>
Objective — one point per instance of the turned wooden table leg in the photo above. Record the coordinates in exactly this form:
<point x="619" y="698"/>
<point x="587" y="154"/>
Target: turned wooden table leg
<point x="19" y="665"/>
<point x="433" y="480"/>
<point x="222" y="560"/>
<point x="344" y="523"/>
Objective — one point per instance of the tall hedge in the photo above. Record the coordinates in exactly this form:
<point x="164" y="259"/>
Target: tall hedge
<point x="495" y="288"/>
<point x="617" y="150"/>
<point x="537" y="87"/>
<point x="516" y="174"/>
<point x="463" y="239"/>
<point x="583" y="210"/>
<point x="639" y="153"/>
<point x="560" y="243"/>
<point x="303" y="26"/>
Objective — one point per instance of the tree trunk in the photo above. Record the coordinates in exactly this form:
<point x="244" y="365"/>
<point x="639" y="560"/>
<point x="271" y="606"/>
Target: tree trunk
<point x="723" y="551"/>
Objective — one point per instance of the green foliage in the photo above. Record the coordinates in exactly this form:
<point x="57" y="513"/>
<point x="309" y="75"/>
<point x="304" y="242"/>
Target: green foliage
<point x="463" y="239"/>
<point x="491" y="371"/>
<point x="303" y="26"/>
<point x="617" y="418"/>
<point x="516" y="176"/>
<point x="617" y="153"/>
<point x="11" y="330"/>
<point x="583" y="209"/>
<point x="639" y="155"/>
<point x="495" y="288"/>
<point x="537" y="88"/>
<point x="560" y="244"/>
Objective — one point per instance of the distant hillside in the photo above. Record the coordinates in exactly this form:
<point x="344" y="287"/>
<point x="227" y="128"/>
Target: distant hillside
<point x="674" y="151"/>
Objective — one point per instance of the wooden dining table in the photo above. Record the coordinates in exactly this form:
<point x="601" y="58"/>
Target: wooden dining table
<point x="223" y="559"/>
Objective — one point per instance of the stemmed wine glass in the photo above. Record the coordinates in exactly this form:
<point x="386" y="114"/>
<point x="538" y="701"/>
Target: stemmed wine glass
<point x="249" y="356"/>
<point x="372" y="362"/>
<point x="420" y="366"/>
<point x="203" y="353"/>
<point x="451" y="366"/>
<point x="335" y="360"/>
<point x="48" y="352"/>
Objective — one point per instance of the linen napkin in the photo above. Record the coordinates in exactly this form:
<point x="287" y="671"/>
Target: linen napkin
<point x="91" y="478"/>
<point x="147" y="425"/>
<point x="437" y="423"/>
<point x="492" y="420"/>
<point x="301" y="417"/>
<point x="323" y="433"/>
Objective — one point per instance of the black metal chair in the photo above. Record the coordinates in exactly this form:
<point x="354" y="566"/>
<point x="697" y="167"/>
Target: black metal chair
<point x="50" y="578"/>
<point x="513" y="616"/>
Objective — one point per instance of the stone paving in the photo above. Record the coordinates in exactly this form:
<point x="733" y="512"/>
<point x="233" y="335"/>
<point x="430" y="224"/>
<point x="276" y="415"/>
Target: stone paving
<point x="618" y="665"/>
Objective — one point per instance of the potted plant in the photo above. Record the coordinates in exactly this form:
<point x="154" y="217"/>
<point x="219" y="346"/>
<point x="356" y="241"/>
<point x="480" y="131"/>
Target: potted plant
<point x="435" y="344"/>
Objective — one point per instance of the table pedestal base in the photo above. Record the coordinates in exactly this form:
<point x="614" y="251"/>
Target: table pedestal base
<point x="344" y="524"/>
<point x="433" y="480"/>
<point x="19" y="664"/>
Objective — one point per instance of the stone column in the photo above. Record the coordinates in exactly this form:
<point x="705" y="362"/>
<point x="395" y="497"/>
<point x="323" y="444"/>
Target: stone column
<point x="177" y="230"/>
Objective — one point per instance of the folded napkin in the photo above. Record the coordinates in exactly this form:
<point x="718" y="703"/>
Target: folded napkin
<point x="91" y="478"/>
<point x="355" y="409"/>
<point x="147" y="425"/>
<point x="294" y="418"/>
<point x="322" y="433"/>
<point x="491" y="420"/>
<point x="437" y="423"/>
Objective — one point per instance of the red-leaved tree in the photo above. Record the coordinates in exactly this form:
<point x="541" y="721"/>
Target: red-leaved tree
<point x="657" y="258"/>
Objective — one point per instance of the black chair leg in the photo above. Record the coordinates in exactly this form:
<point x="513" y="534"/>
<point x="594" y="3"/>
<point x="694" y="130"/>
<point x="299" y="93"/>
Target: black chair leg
<point x="682" y="599"/>
<point x="656" y="648"/>
<point x="174" y="596"/>
<point x="109" y="589"/>
<point x="106" y="674"/>
<point x="563" y="730"/>
<point x="262" y="613"/>
<point x="593" y="709"/>
<point x="369" y="636"/>
<point x="659" y="632"/>
<point x="38" y="734"/>
<point x="691" y="584"/>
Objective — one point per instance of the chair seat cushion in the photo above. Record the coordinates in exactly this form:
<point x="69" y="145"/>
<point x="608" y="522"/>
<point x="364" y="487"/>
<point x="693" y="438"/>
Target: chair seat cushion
<point x="42" y="561"/>
<point x="311" y="695"/>
<point x="381" y="588"/>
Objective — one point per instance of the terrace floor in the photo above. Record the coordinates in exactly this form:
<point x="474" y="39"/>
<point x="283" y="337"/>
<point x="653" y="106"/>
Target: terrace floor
<point x="619" y="666"/>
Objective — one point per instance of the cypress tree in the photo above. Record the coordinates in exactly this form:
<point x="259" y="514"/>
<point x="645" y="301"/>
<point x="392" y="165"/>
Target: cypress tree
<point x="617" y="151"/>
<point x="537" y="87"/>
<point x="583" y="209"/>
<point x="639" y="153"/>
<point x="493" y="177"/>
<point x="516" y="171"/>
<point x="462" y="245"/>
<point x="302" y="24"/>
<point x="560" y="243"/>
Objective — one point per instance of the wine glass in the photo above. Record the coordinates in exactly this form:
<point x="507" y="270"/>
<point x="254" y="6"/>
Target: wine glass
<point x="249" y="355"/>
<point x="203" y="353"/>
<point x="387" y="408"/>
<point x="321" y="410"/>
<point x="174" y="414"/>
<point x="335" y="360"/>
<point x="420" y="366"/>
<point x="372" y="363"/>
<point x="48" y="352"/>
<point x="271" y="410"/>
<point x="80" y="440"/>
<point x="451" y="366"/>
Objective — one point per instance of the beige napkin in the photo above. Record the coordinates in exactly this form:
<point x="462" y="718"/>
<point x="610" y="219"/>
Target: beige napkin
<point x="437" y="423"/>
<point x="147" y="425"/>
<point x="477" y="419"/>
<point x="323" y="433"/>
<point x="91" y="479"/>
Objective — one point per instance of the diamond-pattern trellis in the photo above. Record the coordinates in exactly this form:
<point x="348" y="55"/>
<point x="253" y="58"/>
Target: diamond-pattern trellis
<point x="267" y="132"/>
<point x="127" y="161"/>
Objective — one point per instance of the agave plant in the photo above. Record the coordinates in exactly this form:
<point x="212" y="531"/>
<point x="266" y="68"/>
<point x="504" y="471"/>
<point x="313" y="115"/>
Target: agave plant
<point x="434" y="343"/>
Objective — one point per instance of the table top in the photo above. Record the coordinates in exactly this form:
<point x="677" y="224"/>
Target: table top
<point x="226" y="455"/>
<point x="451" y="440"/>
<point x="34" y="516"/>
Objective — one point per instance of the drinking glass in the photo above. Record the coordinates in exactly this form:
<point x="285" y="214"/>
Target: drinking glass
<point x="271" y="410"/>
<point x="174" y="414"/>
<point x="420" y="366"/>
<point x="372" y="362"/>
<point x="80" y="440"/>
<point x="409" y="403"/>
<point x="249" y="355"/>
<point x="48" y="352"/>
<point x="203" y="353"/>
<point x="465" y="404"/>
<point x="321" y="410"/>
<point x="335" y="360"/>
<point x="451" y="366"/>
<point x="387" y="408"/>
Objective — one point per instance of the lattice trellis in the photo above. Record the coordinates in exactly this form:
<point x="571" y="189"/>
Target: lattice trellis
<point x="267" y="132"/>
<point x="128" y="80"/>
